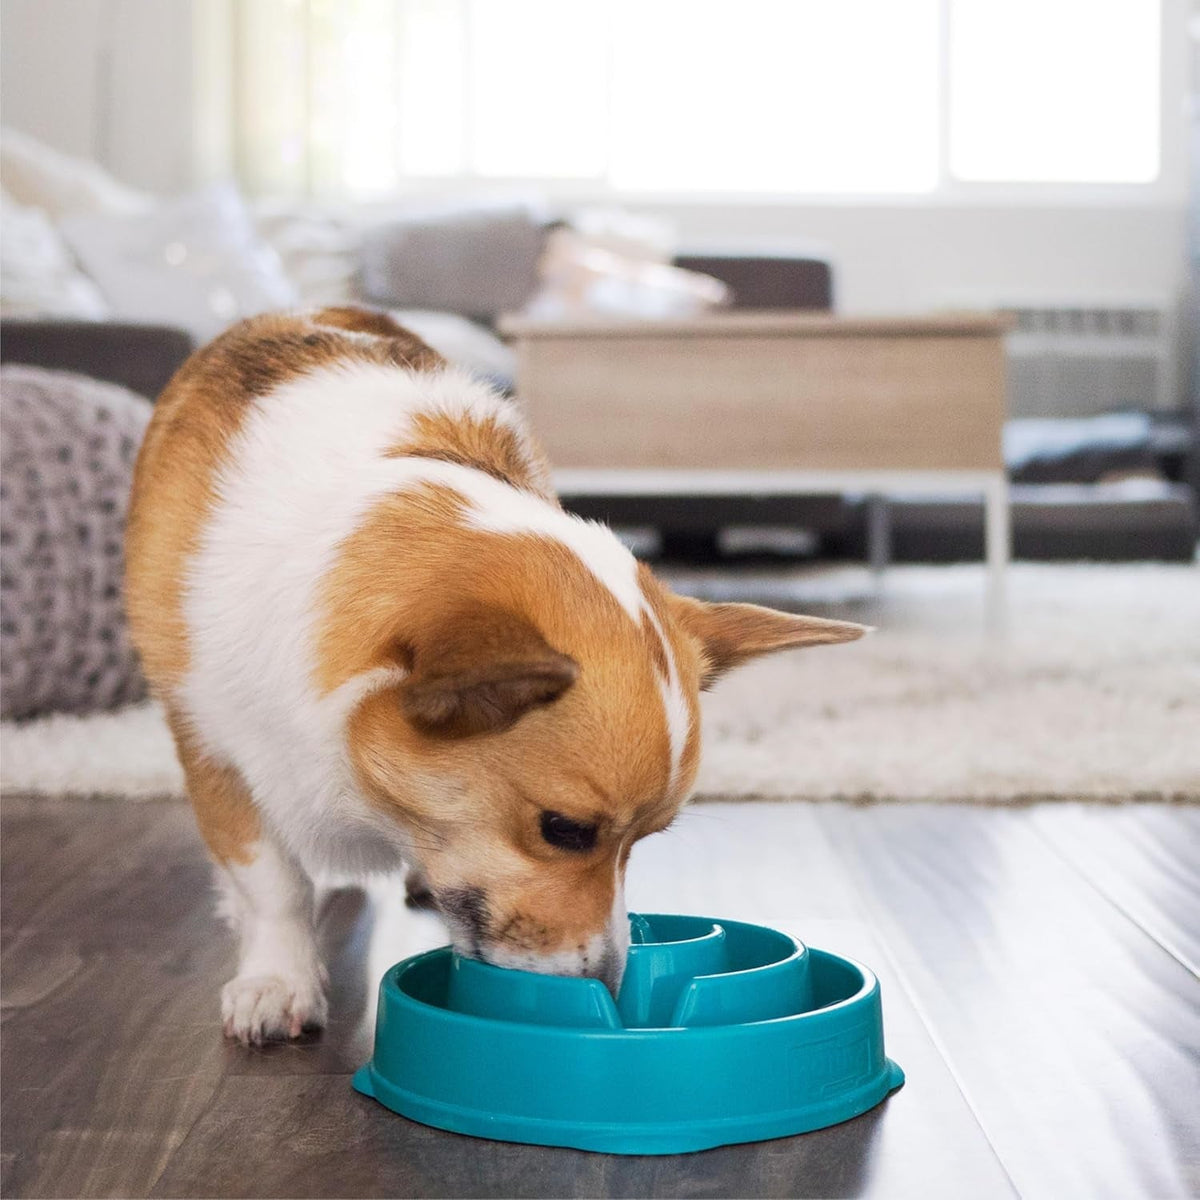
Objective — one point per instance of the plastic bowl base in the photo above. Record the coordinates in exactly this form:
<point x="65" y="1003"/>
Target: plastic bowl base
<point x="621" y="1138"/>
<point x="723" y="1032"/>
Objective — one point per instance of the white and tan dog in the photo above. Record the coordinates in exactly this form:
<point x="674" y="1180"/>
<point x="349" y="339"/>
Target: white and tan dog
<point x="380" y="640"/>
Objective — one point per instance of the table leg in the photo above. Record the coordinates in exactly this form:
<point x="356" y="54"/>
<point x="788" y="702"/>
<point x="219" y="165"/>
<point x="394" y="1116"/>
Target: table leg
<point x="998" y="540"/>
<point x="879" y="538"/>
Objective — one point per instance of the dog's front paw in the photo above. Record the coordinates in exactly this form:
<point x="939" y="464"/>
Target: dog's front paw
<point x="258" y="1008"/>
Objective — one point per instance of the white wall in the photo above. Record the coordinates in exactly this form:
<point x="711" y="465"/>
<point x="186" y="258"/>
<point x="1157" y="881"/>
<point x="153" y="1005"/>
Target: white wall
<point x="49" y="70"/>
<point x="110" y="79"/>
<point x="913" y="256"/>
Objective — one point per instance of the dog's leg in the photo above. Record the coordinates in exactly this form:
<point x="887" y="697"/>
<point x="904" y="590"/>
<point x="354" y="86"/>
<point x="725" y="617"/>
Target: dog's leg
<point x="279" y="988"/>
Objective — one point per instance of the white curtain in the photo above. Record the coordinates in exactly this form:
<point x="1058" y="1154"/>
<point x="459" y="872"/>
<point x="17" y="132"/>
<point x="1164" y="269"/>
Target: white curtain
<point x="357" y="96"/>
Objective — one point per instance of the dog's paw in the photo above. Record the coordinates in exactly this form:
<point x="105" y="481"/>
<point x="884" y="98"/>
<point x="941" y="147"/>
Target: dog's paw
<point x="259" y="1008"/>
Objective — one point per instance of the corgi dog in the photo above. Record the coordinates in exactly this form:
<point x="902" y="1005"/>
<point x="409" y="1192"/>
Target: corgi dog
<point x="379" y="640"/>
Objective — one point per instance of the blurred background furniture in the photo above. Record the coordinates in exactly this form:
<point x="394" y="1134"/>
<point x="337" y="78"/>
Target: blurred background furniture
<point x="775" y="403"/>
<point x="139" y="357"/>
<point x="760" y="280"/>
<point x="1095" y="453"/>
<point x="67" y="449"/>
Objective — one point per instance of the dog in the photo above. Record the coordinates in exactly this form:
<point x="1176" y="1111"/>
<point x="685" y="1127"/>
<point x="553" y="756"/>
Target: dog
<point x="379" y="640"/>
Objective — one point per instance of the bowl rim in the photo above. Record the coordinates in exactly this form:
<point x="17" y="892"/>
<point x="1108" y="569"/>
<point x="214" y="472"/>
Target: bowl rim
<point x="391" y="987"/>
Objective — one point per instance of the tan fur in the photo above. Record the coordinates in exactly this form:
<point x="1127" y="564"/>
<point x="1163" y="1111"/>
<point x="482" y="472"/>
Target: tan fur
<point x="482" y="668"/>
<point x="728" y="635"/>
<point x="377" y="611"/>
<point x="487" y="445"/>
<point x="225" y="812"/>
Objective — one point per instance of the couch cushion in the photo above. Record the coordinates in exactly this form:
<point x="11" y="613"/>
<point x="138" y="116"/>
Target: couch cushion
<point x="480" y="262"/>
<point x="768" y="280"/>
<point x="1129" y="519"/>
<point x="195" y="261"/>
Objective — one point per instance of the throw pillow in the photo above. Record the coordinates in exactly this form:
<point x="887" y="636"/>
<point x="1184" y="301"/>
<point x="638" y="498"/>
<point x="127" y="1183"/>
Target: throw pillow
<point x="40" y="279"/>
<point x="479" y="262"/>
<point x="195" y="262"/>
<point x="67" y="449"/>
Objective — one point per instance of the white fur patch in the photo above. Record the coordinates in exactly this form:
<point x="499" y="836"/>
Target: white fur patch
<point x="279" y="988"/>
<point x="675" y="705"/>
<point x="502" y="509"/>
<point x="596" y="952"/>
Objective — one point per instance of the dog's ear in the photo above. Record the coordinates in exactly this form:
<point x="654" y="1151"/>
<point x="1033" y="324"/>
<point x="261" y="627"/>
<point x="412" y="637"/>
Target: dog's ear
<point x="478" y="669"/>
<point x="731" y="634"/>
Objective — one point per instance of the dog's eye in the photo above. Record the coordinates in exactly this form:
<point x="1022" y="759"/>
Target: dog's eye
<point x="567" y="834"/>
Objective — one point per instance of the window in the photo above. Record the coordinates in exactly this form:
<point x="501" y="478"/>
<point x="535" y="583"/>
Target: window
<point x="750" y="97"/>
<point x="775" y="96"/>
<point x="1054" y="90"/>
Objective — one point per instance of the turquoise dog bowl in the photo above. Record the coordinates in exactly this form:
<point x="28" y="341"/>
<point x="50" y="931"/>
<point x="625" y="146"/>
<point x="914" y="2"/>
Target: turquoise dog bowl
<point x="723" y="1032"/>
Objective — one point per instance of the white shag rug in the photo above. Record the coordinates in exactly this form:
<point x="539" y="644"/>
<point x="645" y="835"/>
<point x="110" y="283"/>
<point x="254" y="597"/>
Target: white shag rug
<point x="1092" y="693"/>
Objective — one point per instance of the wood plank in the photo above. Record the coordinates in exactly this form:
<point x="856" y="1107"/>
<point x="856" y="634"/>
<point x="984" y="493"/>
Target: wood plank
<point x="116" y="1074"/>
<point x="774" y="864"/>
<point x="836" y="402"/>
<point x="312" y="1136"/>
<point x="55" y="846"/>
<point x="1144" y="858"/>
<point x="1075" y="1038"/>
<point x="114" y="1064"/>
<point x="770" y="322"/>
<point x="741" y="861"/>
<point x="111" y="1045"/>
<point x="747" y="861"/>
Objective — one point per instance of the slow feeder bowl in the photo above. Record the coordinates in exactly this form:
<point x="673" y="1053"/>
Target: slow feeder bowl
<point x="722" y="1032"/>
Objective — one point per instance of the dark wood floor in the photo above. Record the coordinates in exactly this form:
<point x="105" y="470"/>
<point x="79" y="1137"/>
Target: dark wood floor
<point x="1039" y="968"/>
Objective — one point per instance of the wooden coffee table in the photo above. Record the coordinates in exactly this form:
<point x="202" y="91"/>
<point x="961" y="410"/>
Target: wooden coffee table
<point x="758" y="403"/>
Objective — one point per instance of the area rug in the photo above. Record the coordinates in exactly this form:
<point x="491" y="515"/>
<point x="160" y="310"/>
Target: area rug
<point x="1091" y="692"/>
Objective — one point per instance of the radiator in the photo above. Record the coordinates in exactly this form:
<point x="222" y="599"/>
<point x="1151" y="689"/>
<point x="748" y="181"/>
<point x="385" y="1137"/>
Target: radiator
<point x="1080" y="359"/>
